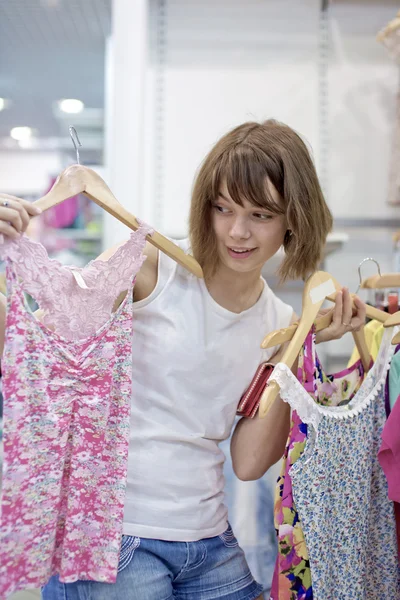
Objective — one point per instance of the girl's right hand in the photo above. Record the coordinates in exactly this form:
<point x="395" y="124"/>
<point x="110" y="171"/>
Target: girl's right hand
<point x="15" y="215"/>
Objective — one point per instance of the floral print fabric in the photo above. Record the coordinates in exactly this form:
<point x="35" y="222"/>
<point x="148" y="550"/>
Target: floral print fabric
<point x="292" y="576"/>
<point x="338" y="488"/>
<point x="66" y="436"/>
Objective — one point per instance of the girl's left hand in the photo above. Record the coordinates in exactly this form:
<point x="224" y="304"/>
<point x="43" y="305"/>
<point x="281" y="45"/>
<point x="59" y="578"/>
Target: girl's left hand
<point x="345" y="317"/>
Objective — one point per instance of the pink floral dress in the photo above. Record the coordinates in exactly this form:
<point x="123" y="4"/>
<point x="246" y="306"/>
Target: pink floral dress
<point x="67" y="392"/>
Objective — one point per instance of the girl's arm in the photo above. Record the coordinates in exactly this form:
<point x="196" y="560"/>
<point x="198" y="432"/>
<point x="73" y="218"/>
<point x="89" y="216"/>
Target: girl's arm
<point x="256" y="443"/>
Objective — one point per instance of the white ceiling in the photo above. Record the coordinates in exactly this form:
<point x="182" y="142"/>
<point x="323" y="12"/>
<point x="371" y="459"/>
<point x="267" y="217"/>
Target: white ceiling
<point x="50" y="49"/>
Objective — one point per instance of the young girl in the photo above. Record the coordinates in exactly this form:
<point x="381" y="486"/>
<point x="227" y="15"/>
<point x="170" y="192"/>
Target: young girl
<point x="196" y="348"/>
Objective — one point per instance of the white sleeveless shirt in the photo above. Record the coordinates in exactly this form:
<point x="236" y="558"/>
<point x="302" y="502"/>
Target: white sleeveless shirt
<point x="192" y="361"/>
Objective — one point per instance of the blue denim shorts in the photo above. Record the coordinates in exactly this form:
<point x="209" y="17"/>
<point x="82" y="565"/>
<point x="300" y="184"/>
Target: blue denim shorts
<point x="157" y="570"/>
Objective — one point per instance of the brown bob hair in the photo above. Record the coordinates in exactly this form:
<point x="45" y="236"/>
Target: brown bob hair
<point x="244" y="158"/>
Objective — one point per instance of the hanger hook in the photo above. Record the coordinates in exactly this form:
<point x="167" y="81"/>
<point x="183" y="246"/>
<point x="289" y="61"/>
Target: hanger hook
<point x="359" y="270"/>
<point x="76" y="142"/>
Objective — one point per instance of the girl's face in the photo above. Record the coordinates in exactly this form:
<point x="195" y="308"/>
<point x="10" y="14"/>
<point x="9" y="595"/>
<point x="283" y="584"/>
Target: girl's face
<point x="247" y="236"/>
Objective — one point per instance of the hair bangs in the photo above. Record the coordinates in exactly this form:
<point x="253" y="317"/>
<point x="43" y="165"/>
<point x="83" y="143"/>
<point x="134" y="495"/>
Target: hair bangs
<point x="246" y="178"/>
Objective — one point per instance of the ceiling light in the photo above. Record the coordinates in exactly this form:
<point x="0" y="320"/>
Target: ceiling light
<point x="21" y="133"/>
<point x="2" y="103"/>
<point x="71" y="106"/>
<point x="27" y="144"/>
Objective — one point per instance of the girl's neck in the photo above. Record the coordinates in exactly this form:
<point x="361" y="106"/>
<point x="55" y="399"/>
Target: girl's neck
<point x="234" y="291"/>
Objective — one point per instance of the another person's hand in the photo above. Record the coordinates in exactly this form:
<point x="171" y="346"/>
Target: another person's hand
<point x="15" y="215"/>
<point x="345" y="317"/>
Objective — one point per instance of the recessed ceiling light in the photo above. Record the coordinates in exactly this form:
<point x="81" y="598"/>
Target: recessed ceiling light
<point x="27" y="144"/>
<point x="21" y="133"/>
<point x="71" y="106"/>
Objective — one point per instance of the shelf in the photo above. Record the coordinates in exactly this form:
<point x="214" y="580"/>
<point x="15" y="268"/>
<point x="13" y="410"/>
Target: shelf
<point x="335" y="241"/>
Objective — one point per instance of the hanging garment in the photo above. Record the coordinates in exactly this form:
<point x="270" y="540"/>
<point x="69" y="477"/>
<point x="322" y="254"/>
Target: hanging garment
<point x="394" y="378"/>
<point x="64" y="214"/>
<point x="389" y="458"/>
<point x="351" y="544"/>
<point x="66" y="418"/>
<point x="292" y="576"/>
<point x="373" y="338"/>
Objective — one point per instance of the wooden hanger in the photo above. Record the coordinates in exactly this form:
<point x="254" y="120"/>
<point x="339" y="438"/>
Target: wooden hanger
<point x="391" y="27"/>
<point x="382" y="281"/>
<point x="378" y="281"/>
<point x="319" y="287"/>
<point x="78" y="179"/>
<point x="281" y="336"/>
<point x="392" y="321"/>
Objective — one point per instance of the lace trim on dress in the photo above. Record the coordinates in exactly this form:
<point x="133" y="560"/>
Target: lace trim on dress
<point x="292" y="392"/>
<point x="66" y="293"/>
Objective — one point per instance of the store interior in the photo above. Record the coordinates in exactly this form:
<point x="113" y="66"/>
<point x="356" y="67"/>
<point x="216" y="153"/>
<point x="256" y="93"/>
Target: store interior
<point x="150" y="85"/>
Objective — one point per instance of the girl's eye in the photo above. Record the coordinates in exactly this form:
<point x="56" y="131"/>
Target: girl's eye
<point x="263" y="216"/>
<point x="221" y="209"/>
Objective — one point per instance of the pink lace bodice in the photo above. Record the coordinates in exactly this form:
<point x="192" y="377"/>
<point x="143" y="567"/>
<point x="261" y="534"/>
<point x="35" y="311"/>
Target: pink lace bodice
<point x="66" y="293"/>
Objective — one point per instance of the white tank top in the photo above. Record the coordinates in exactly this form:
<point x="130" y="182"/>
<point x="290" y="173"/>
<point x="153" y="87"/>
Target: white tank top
<point x="192" y="361"/>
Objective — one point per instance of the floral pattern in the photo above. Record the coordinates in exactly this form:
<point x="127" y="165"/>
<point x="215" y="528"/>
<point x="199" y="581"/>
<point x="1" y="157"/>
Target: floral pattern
<point x="66" y="436"/>
<point x="332" y="493"/>
<point x="292" y="576"/>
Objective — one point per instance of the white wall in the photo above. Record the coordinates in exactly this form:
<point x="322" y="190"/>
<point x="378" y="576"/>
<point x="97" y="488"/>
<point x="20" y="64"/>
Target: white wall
<point x="222" y="64"/>
<point x="363" y="84"/>
<point x="27" y="172"/>
<point x="227" y="62"/>
<point x="202" y="105"/>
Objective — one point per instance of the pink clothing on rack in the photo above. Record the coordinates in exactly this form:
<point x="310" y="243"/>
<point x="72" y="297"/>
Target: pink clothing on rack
<point x="389" y="452"/>
<point x="64" y="214"/>
<point x="66" y="418"/>
<point x="389" y="458"/>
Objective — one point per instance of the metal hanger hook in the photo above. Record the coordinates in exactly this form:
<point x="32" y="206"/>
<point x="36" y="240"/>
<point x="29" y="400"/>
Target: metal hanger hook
<point x="76" y="142"/>
<point x="359" y="270"/>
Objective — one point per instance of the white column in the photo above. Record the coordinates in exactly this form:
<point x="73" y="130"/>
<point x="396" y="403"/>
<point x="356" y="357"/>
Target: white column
<point x="126" y="62"/>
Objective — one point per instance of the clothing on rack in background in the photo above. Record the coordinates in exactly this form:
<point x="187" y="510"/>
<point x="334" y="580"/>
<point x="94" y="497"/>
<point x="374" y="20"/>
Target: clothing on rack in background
<point x="373" y="337"/>
<point x="62" y="215"/>
<point x="394" y="379"/>
<point x="389" y="453"/>
<point x="389" y="458"/>
<point x="292" y="576"/>
<point x="67" y="395"/>
<point x="352" y="546"/>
